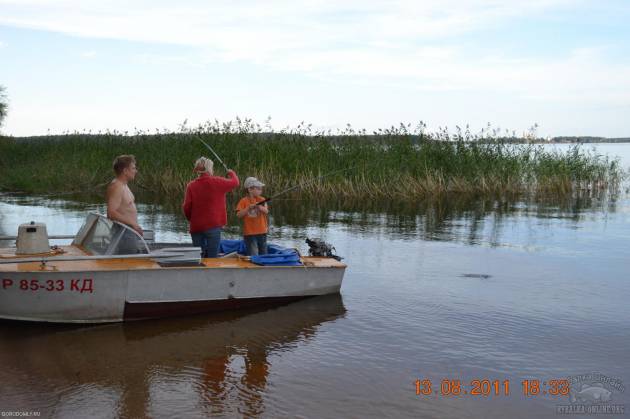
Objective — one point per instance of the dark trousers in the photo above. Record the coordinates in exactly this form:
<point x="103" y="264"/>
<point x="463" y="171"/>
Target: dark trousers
<point x="209" y="241"/>
<point x="256" y="244"/>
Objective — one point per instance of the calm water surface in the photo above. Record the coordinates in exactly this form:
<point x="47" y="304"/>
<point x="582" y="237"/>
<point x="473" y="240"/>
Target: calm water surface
<point x="458" y="289"/>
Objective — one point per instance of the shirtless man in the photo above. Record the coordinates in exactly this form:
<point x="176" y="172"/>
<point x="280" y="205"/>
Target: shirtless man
<point x="121" y="205"/>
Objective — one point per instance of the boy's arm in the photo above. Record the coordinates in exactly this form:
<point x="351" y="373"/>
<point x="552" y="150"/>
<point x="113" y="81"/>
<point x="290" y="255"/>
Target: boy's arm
<point x="263" y="209"/>
<point x="242" y="208"/>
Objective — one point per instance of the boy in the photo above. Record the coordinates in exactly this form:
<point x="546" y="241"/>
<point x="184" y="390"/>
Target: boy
<point x="254" y="217"/>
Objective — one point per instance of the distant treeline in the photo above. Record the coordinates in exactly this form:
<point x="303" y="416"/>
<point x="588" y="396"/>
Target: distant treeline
<point x="553" y="140"/>
<point x="589" y="140"/>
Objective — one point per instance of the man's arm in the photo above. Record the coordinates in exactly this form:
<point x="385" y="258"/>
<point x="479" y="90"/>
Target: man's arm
<point x="114" y="199"/>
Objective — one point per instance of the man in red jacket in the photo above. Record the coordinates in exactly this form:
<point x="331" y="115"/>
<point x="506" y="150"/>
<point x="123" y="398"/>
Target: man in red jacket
<point x="204" y="206"/>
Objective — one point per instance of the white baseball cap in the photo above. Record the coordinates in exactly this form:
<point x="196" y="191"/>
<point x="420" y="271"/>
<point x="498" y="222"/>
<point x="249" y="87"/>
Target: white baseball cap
<point x="252" y="181"/>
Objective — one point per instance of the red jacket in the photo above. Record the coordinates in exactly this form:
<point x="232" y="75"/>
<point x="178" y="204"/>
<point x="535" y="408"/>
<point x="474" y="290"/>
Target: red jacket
<point x="204" y="204"/>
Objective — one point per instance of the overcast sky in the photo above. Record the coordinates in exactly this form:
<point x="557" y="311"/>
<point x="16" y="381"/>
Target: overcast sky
<point x="84" y="64"/>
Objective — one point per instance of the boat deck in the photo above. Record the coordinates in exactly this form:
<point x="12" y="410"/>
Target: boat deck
<point x="70" y="250"/>
<point x="143" y="263"/>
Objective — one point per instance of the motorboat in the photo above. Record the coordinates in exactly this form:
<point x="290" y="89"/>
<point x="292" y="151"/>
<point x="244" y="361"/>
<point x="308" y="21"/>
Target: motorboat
<point x="110" y="273"/>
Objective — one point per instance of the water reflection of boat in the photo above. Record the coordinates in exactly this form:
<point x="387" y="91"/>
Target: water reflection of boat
<point x="133" y="360"/>
<point x="110" y="274"/>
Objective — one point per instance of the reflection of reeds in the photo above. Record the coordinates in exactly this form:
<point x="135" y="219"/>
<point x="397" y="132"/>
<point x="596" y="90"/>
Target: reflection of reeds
<point x="391" y="164"/>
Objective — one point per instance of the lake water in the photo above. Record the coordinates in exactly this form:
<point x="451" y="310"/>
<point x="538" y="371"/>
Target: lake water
<point x="453" y="289"/>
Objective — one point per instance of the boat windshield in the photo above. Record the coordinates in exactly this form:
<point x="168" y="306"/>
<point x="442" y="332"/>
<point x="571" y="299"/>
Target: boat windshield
<point x="102" y="236"/>
<point x="99" y="237"/>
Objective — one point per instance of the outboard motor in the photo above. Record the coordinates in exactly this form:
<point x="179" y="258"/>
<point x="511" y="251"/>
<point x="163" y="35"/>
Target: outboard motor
<point x="318" y="247"/>
<point x="32" y="239"/>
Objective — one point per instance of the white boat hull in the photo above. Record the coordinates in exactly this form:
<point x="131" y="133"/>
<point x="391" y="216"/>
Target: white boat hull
<point x="120" y="295"/>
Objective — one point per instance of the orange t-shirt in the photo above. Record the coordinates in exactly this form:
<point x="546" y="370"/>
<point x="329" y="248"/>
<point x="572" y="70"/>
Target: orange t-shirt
<point x="255" y="222"/>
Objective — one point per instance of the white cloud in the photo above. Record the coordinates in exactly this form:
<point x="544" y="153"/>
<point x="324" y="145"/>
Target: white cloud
<point x="2" y="44"/>
<point x="415" y="44"/>
<point x="251" y="28"/>
<point x="248" y="28"/>
<point x="88" y="54"/>
<point x="366" y="38"/>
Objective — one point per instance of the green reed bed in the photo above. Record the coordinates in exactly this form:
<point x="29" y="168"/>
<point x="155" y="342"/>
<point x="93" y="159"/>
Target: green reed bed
<point x="392" y="163"/>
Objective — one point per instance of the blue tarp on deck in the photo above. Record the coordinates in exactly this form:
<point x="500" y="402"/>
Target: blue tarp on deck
<point x="276" y="256"/>
<point x="229" y="246"/>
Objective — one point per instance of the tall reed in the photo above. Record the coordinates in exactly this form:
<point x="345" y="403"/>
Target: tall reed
<point x="391" y="163"/>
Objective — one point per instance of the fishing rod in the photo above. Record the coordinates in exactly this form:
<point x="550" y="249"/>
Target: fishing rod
<point x="264" y="201"/>
<point x="215" y="154"/>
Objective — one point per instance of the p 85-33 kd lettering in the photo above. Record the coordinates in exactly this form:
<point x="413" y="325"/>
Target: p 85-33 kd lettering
<point x="80" y="285"/>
